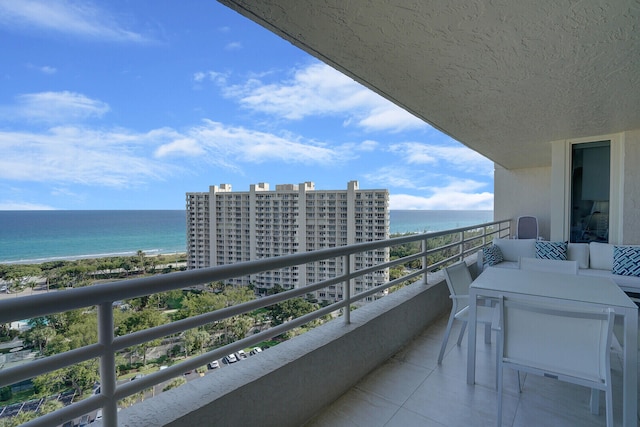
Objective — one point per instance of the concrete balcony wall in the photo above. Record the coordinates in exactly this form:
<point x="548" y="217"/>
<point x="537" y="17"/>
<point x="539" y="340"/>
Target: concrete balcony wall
<point x="289" y="383"/>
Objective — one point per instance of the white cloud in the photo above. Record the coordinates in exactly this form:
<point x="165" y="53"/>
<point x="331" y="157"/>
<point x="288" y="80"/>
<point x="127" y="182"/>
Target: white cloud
<point x="120" y="158"/>
<point x="54" y="107"/>
<point x="238" y="144"/>
<point x="233" y="46"/>
<point x="458" y="195"/>
<point x="456" y="156"/>
<point x="393" y="177"/>
<point x="181" y="147"/>
<point x="10" y="205"/>
<point x="45" y="69"/>
<point x="213" y="76"/>
<point x="391" y="117"/>
<point x="368" y="145"/>
<point x="321" y="91"/>
<point x="77" y="18"/>
<point x="430" y="190"/>
<point x="74" y="155"/>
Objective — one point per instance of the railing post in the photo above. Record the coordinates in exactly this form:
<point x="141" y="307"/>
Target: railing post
<point x="423" y="243"/>
<point x="107" y="364"/>
<point x="347" y="290"/>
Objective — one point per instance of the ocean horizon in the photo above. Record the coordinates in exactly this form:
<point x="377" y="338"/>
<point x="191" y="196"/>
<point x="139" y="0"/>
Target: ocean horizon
<point x="41" y="236"/>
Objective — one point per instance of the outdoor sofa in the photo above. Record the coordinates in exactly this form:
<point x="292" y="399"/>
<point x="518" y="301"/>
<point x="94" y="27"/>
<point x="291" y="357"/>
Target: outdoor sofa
<point x="619" y="262"/>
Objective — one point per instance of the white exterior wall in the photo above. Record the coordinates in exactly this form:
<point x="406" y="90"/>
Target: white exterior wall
<point x="523" y="192"/>
<point x="544" y="192"/>
<point x="631" y="188"/>
<point x="198" y="239"/>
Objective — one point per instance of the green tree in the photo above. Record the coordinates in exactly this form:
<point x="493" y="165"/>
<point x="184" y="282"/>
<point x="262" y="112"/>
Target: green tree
<point x="50" y="406"/>
<point x="236" y="328"/>
<point x="195" y="304"/>
<point x="82" y="376"/>
<point x="237" y="295"/>
<point x="140" y="320"/>
<point x="290" y="309"/>
<point x="195" y="340"/>
<point x="39" y="336"/>
<point x="5" y="393"/>
<point x="49" y="383"/>
<point x="19" y="419"/>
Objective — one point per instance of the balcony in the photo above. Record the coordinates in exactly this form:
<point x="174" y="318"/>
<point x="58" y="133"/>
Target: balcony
<point x="375" y="365"/>
<point x="411" y="389"/>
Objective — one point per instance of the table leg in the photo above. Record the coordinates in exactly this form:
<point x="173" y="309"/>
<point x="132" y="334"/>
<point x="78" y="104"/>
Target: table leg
<point x="630" y="369"/>
<point x="471" y="348"/>
<point x="487" y="327"/>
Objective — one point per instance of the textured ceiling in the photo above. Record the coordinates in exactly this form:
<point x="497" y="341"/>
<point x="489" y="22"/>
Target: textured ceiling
<point x="502" y="77"/>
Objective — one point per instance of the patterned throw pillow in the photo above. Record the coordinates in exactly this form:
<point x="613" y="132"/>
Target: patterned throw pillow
<point x="626" y="260"/>
<point x="492" y="255"/>
<point x="551" y="250"/>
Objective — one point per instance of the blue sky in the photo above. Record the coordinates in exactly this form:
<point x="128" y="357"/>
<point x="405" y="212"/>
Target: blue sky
<point x="131" y="104"/>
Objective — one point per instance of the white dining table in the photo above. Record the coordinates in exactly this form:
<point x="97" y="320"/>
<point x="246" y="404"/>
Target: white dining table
<point x="570" y="288"/>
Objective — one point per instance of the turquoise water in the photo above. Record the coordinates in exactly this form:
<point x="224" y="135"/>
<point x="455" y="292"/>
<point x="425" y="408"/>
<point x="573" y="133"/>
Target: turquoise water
<point x="38" y="236"/>
<point x="412" y="221"/>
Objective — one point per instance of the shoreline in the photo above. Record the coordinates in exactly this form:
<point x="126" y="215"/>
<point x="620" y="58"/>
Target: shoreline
<point x="37" y="261"/>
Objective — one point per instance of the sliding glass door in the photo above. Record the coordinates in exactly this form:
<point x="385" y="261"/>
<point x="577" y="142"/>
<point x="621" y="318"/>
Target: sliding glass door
<point x="590" y="183"/>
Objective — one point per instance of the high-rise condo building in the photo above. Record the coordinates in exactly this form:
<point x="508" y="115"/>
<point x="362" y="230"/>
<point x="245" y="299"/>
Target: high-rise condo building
<point x="225" y="227"/>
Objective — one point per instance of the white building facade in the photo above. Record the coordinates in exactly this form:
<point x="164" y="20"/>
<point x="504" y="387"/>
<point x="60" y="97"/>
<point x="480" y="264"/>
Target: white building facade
<point x="226" y="227"/>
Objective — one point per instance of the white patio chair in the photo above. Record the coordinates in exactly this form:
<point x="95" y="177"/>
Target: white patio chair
<point x="568" y="343"/>
<point x="549" y="265"/>
<point x="458" y="280"/>
<point x="527" y="227"/>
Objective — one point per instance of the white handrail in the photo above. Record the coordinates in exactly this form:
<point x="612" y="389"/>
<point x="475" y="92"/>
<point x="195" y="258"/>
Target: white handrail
<point x="103" y="296"/>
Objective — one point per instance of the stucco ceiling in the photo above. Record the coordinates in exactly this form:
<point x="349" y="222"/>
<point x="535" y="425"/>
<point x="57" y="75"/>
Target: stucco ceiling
<point x="503" y="77"/>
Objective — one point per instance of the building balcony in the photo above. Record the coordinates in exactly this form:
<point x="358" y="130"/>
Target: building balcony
<point x="376" y="365"/>
<point x="317" y="380"/>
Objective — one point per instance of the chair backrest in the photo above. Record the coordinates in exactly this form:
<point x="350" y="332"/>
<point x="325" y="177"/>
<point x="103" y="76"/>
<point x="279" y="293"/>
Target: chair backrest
<point x="458" y="278"/>
<point x="550" y="265"/>
<point x="527" y="227"/>
<point x="573" y="341"/>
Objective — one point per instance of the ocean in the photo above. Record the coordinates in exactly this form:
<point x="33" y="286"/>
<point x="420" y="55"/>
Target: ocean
<point x="39" y="236"/>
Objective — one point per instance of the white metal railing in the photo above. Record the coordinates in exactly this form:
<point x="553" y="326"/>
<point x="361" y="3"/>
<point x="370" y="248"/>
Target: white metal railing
<point x="465" y="241"/>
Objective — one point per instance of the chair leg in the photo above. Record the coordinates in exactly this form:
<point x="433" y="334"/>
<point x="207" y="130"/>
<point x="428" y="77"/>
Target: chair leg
<point x="462" y="329"/>
<point x="608" y="395"/>
<point x="446" y="336"/>
<point x="519" y="382"/>
<point x="499" y="384"/>
<point x="595" y="401"/>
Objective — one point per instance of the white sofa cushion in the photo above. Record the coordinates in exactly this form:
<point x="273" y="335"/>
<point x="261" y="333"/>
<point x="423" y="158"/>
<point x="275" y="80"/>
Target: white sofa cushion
<point x="578" y="252"/>
<point x="513" y="249"/>
<point x="600" y="256"/>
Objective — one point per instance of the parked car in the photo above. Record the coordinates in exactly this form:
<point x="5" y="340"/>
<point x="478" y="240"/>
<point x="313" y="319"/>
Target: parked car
<point x="240" y="354"/>
<point x="231" y="358"/>
<point x="214" y="364"/>
<point x="255" y="351"/>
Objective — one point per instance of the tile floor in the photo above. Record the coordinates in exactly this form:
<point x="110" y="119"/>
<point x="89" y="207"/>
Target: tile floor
<point x="410" y="389"/>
